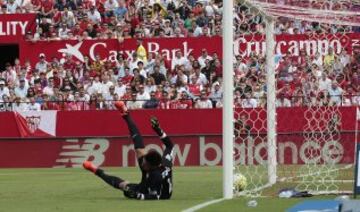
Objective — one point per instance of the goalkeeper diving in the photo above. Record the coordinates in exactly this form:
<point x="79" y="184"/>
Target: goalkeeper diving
<point x="156" y="169"/>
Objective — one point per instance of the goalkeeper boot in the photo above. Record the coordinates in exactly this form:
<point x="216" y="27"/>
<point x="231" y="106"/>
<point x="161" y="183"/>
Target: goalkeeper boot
<point x="156" y="126"/>
<point x="89" y="166"/>
<point x="120" y="105"/>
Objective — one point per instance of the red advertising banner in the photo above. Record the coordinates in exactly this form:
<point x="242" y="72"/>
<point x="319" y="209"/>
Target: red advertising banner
<point x="180" y="122"/>
<point x="244" y="46"/>
<point x="109" y="49"/>
<point x="188" y="151"/>
<point x="13" y="27"/>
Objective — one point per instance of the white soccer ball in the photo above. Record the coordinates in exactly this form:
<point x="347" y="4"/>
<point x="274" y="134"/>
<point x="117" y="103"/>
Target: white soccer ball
<point x="240" y="182"/>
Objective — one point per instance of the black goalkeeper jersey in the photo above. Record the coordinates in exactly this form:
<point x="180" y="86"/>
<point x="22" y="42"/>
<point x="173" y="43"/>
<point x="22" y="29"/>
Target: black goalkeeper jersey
<point x="157" y="184"/>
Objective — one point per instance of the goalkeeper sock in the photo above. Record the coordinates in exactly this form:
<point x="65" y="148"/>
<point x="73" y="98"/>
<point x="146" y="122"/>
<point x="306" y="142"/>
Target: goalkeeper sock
<point x="111" y="180"/>
<point x="134" y="132"/>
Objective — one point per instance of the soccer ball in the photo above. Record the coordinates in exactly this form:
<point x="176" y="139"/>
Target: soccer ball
<point x="240" y="182"/>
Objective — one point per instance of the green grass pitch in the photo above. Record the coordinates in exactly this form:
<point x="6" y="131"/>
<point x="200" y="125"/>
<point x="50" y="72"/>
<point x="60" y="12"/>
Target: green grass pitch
<point x="78" y="190"/>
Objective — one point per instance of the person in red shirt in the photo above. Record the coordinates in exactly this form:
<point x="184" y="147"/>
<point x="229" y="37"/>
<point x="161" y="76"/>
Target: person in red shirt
<point x="47" y="8"/>
<point x="194" y="87"/>
<point x="84" y="22"/>
<point x="86" y="4"/>
<point x="128" y="94"/>
<point x="36" y="5"/>
<point x="69" y="63"/>
<point x="99" y="4"/>
<point x="164" y="101"/>
<point x="198" y="9"/>
<point x="126" y="80"/>
<point x="49" y="105"/>
<point x="56" y="19"/>
<point x="184" y="102"/>
<point x="57" y="79"/>
<point x="77" y="31"/>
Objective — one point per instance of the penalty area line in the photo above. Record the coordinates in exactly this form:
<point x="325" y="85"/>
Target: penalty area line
<point x="203" y="205"/>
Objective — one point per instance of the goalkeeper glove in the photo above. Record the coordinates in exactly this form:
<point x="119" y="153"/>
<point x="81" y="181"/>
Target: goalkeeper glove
<point x="156" y="126"/>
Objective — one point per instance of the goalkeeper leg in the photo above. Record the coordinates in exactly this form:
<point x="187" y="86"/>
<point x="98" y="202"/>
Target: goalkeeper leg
<point x="134" y="131"/>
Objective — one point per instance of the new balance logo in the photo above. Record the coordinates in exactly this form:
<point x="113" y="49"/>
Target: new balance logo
<point x="75" y="152"/>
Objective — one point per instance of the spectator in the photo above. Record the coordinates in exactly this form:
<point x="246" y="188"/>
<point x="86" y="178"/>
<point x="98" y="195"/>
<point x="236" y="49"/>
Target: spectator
<point x="142" y="95"/>
<point x="153" y="102"/>
<point x="94" y="15"/>
<point x="33" y="106"/>
<point x="133" y="103"/>
<point x="282" y="101"/>
<point x="216" y="93"/>
<point x="204" y="56"/>
<point x="249" y="101"/>
<point x="5" y="104"/>
<point x="18" y="105"/>
<point x="203" y="102"/>
<point x="184" y="101"/>
<point x="21" y="90"/>
<point x="42" y="65"/>
<point x="324" y="82"/>
<point x="3" y="90"/>
<point x="335" y="93"/>
<point x="158" y="77"/>
<point x="179" y="60"/>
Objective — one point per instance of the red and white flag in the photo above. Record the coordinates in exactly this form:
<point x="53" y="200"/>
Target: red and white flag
<point x="36" y="123"/>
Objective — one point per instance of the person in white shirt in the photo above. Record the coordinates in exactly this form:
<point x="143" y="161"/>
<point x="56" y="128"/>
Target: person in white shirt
<point x="42" y="64"/>
<point x="96" y="86"/>
<point x="211" y="9"/>
<point x="94" y="15"/>
<point x="133" y="63"/>
<point x="120" y="88"/>
<point x="178" y="60"/>
<point x="216" y="93"/>
<point x="49" y="89"/>
<point x="11" y="7"/>
<point x="134" y="104"/>
<point x="110" y="6"/>
<point x="142" y="95"/>
<point x="106" y="84"/>
<point x="3" y="90"/>
<point x="33" y="106"/>
<point x="324" y="82"/>
<point x="21" y="90"/>
<point x="201" y="78"/>
<point x="19" y="106"/>
<point x="335" y="93"/>
<point x="344" y="57"/>
<point x="203" y="102"/>
<point x="142" y="71"/>
<point x="179" y="76"/>
<point x="68" y="17"/>
<point x="63" y="31"/>
<point x="204" y="56"/>
<point x="249" y="101"/>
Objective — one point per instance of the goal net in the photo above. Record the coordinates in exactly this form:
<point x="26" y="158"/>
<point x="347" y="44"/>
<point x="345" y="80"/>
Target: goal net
<point x="294" y="66"/>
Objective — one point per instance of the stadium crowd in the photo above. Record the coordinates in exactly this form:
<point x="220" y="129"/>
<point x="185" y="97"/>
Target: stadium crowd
<point x="151" y="81"/>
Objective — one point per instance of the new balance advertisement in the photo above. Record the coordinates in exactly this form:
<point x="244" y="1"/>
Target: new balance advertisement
<point x="101" y="136"/>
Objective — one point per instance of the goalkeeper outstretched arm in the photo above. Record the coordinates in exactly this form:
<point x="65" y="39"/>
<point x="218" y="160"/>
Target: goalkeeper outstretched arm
<point x="167" y="155"/>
